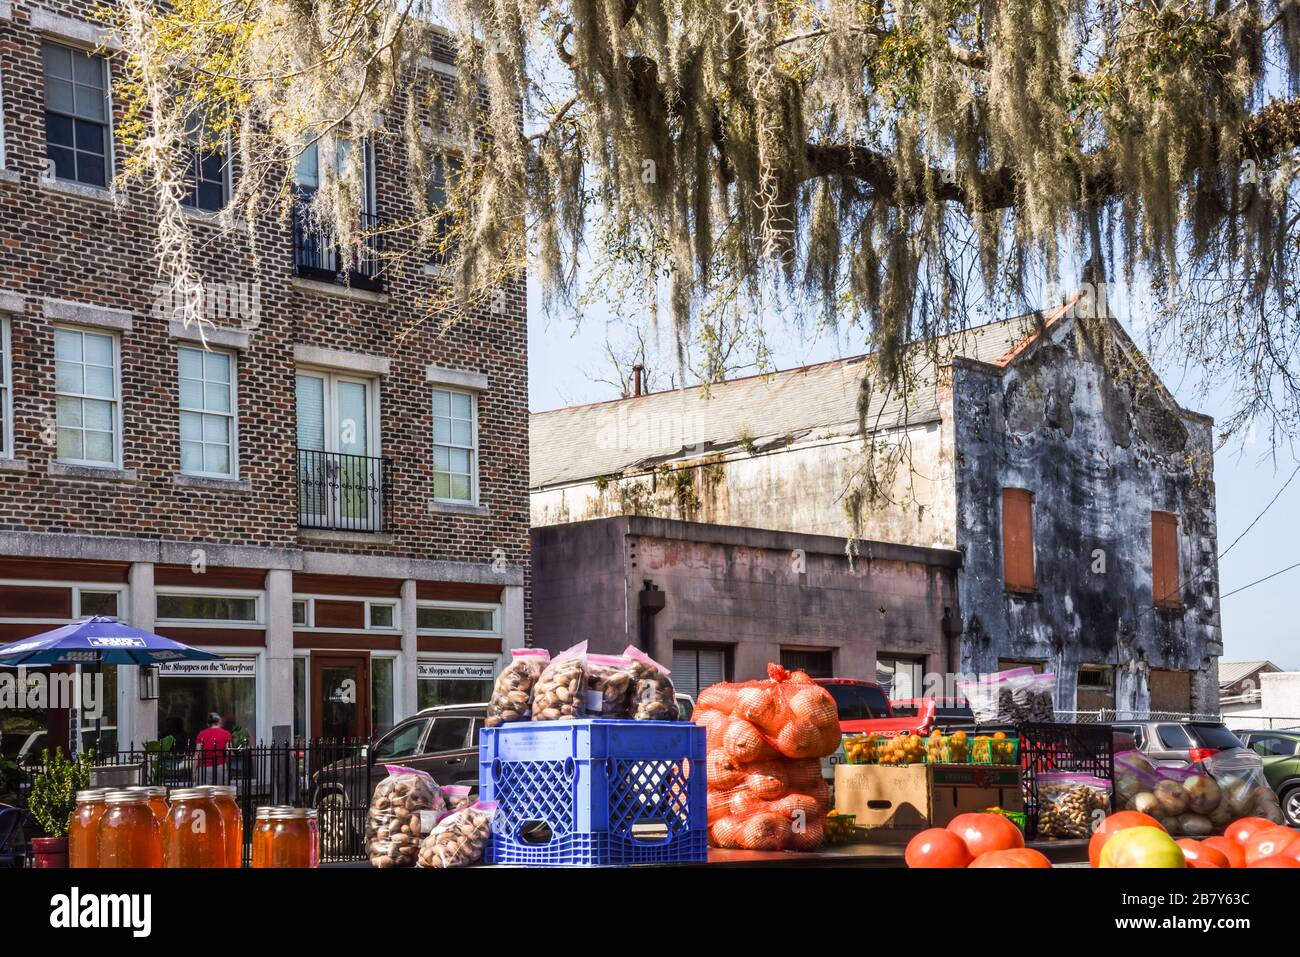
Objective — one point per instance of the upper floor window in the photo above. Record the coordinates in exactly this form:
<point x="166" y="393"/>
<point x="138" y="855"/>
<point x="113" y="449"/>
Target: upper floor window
<point x="1165" y="587"/>
<point x="316" y="254"/>
<point x="241" y="609"/>
<point x="77" y="131"/>
<point x="206" y="184"/>
<point x="1018" y="540"/>
<point x="474" y="619"/>
<point x="207" y="393"/>
<point x="445" y="169"/>
<point x="2" y="123"/>
<point x="454" y="451"/>
<point x="6" y="395"/>
<point x="88" y="396"/>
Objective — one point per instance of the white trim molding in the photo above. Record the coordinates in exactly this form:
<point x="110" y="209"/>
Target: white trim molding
<point x="206" y="333"/>
<point x="341" y="359"/>
<point x="12" y="301"/>
<point x="6" y="10"/>
<point x="69" y="28"/>
<point x="456" y="378"/>
<point x="83" y="314"/>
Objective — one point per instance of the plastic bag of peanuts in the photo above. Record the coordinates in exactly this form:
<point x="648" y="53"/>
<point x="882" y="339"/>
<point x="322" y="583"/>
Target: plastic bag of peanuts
<point x="460" y="838"/>
<point x="406" y="806"/>
<point x="558" y="694"/>
<point x="653" y="696"/>
<point x="1071" y="805"/>
<point x="512" y="693"/>
<point x="607" y="692"/>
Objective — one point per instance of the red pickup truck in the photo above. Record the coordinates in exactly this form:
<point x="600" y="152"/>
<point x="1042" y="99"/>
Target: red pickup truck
<point x="865" y="709"/>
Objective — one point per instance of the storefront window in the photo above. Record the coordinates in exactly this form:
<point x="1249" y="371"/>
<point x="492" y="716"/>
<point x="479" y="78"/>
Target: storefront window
<point x="23" y="730"/>
<point x="455" y="619"/>
<point x="381" y="695"/>
<point x="188" y="691"/>
<point x="454" y="682"/>
<point x="98" y="603"/>
<point x="207" y="608"/>
<point x="102" y="683"/>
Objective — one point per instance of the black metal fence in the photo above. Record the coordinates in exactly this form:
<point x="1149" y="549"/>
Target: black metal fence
<point x="316" y="254"/>
<point x="336" y="777"/>
<point x="342" y="492"/>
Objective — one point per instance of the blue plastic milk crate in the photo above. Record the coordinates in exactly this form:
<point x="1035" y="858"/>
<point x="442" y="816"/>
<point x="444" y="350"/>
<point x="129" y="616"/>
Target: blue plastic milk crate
<point x="595" y="792"/>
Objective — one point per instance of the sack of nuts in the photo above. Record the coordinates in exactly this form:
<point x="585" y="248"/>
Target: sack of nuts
<point x="1071" y="805"/>
<point x="653" y="696"/>
<point x="558" y="692"/>
<point x="456" y="796"/>
<point x="608" y="689"/>
<point x="460" y="838"/>
<point x="406" y="806"/>
<point x="512" y="694"/>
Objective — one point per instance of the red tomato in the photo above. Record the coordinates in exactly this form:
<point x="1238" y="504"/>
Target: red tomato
<point x="1014" y="857"/>
<point x="1228" y="848"/>
<point x="1116" y="822"/>
<point x="1277" y="861"/>
<point x="1202" y="855"/>
<point x="937" y="847"/>
<point x="1241" y="829"/>
<point x="1269" y="842"/>
<point x="986" y="832"/>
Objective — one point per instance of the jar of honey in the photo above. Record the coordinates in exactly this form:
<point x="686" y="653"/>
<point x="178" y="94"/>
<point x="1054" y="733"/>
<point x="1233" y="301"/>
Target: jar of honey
<point x="83" y="832"/>
<point x="196" y="835"/>
<point x="156" y="798"/>
<point x="129" y="835"/>
<point x="295" y="838"/>
<point x="223" y="795"/>
<point x="263" y="826"/>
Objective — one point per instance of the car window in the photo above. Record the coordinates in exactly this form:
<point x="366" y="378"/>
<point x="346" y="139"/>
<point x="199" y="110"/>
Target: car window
<point x="478" y="726"/>
<point x="1133" y="729"/>
<point x="448" y="734"/>
<point x="859" y="702"/>
<point x="1209" y="735"/>
<point x="402" y="741"/>
<point x="1173" y="737"/>
<point x="1270" y="746"/>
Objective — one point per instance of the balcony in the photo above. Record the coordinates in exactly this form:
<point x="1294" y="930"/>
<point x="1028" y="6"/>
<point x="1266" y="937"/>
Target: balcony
<point x="343" y="493"/>
<point x="316" y="255"/>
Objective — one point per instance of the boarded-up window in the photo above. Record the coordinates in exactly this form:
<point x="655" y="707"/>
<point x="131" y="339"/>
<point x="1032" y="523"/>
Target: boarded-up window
<point x="1171" y="691"/>
<point x="1094" y="688"/>
<point x="1164" y="560"/>
<point x="1018" y="539"/>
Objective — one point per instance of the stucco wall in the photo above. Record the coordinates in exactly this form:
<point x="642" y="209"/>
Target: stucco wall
<point x="1100" y="452"/>
<point x="744" y="588"/>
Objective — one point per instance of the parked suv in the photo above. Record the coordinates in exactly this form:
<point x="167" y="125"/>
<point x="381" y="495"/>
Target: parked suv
<point x="1180" y="742"/>
<point x="1280" y="752"/>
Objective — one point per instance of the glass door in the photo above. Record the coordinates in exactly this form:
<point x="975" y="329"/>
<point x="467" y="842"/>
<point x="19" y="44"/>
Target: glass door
<point x="341" y="695"/>
<point x="339" y="475"/>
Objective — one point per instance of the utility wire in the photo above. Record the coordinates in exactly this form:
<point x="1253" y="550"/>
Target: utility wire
<point x="1259" y="580"/>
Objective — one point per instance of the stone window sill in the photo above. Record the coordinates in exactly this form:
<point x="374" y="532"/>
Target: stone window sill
<point x="241" y="486"/>
<point x="339" y="291"/>
<point x="352" y="538"/>
<point x="92" y="473"/>
<point x="10" y="176"/>
<point x="13" y="465"/>
<point x="81" y="191"/>
<point x="456" y="508"/>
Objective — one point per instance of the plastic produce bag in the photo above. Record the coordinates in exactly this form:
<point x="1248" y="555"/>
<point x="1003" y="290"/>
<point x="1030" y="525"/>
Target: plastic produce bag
<point x="1011" y="697"/>
<point x="558" y="692"/>
<point x="512" y="693"/>
<point x="456" y="796"/>
<point x="407" y="805"/>
<point x="1071" y="805"/>
<point x="1240" y="776"/>
<point x="460" y="838"/>
<point x="653" y="696"/>
<point x="607" y="692"/>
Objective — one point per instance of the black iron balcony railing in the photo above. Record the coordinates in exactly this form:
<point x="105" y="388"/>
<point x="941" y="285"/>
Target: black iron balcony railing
<point x="343" y="493"/>
<point x="317" y="256"/>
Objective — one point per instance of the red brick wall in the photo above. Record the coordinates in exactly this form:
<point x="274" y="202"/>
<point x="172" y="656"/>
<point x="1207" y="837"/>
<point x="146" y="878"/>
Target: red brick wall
<point x="66" y="247"/>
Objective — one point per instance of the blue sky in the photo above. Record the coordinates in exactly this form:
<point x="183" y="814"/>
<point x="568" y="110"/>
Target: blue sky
<point x="565" y="357"/>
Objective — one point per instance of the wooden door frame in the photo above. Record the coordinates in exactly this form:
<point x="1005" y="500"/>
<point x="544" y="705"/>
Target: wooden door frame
<point x="319" y="659"/>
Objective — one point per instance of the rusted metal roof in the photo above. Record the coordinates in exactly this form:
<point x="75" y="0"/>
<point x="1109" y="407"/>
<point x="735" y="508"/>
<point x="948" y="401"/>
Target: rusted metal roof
<point x="583" y="442"/>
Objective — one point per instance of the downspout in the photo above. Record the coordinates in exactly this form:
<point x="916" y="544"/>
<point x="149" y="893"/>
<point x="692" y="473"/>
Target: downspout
<point x="650" y="601"/>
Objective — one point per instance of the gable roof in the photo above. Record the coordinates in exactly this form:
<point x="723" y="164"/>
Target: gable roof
<point x="581" y="442"/>
<point x="1230" y="672"/>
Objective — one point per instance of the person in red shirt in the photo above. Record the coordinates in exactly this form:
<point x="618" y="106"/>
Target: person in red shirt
<point x="212" y="742"/>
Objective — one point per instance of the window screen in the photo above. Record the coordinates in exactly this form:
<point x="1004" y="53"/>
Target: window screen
<point x="698" y="668"/>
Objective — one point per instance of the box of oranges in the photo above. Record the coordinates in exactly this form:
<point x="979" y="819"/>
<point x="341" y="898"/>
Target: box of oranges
<point x="859" y="749"/>
<point x="995" y="748"/>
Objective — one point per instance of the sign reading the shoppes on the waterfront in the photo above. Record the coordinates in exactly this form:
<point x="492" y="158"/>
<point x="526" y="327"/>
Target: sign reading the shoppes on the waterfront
<point x="456" y="671"/>
<point x="225" y="668"/>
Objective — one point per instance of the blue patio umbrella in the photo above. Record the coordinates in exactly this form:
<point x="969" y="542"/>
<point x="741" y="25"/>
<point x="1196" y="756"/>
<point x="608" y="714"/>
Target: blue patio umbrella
<point x="101" y="640"/>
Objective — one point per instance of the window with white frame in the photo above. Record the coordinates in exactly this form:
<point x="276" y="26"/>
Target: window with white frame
<point x="207" y="169"/>
<point x="207" y="408"/>
<point x="207" y="607"/>
<point x="455" y="618"/>
<point x="2" y="123"/>
<point x="6" y="395"/>
<point x="77" y="133"/>
<point x="454" y="440"/>
<point x="88" y="396"/>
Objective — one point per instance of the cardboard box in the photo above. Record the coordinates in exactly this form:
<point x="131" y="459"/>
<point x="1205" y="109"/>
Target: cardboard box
<point x="892" y="803"/>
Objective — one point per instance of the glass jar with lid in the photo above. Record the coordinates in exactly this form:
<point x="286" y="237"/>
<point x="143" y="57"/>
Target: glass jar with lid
<point x="156" y="798"/>
<point x="83" y="831"/>
<point x="263" y="828"/>
<point x="195" y="833"/>
<point x="223" y="795"/>
<point x="129" y="835"/>
<point x="295" y="838"/>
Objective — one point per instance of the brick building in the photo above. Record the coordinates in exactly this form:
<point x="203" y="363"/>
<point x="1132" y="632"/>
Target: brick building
<point x="341" y="513"/>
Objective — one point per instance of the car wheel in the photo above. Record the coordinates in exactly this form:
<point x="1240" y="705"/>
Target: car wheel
<point x="1291" y="805"/>
<point x="335" y="825"/>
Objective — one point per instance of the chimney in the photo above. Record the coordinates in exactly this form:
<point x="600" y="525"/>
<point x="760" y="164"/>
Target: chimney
<point x="636" y="378"/>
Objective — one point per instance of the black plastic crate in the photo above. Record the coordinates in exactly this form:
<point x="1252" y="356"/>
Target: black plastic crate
<point x="1086" y="748"/>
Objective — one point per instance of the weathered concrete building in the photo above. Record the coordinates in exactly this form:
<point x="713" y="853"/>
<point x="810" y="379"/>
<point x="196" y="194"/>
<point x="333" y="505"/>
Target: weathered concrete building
<point x="1041" y="448"/>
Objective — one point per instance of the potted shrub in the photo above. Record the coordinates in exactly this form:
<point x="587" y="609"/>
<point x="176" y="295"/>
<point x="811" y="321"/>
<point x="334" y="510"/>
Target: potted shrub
<point x="237" y="750"/>
<point x="53" y="800"/>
